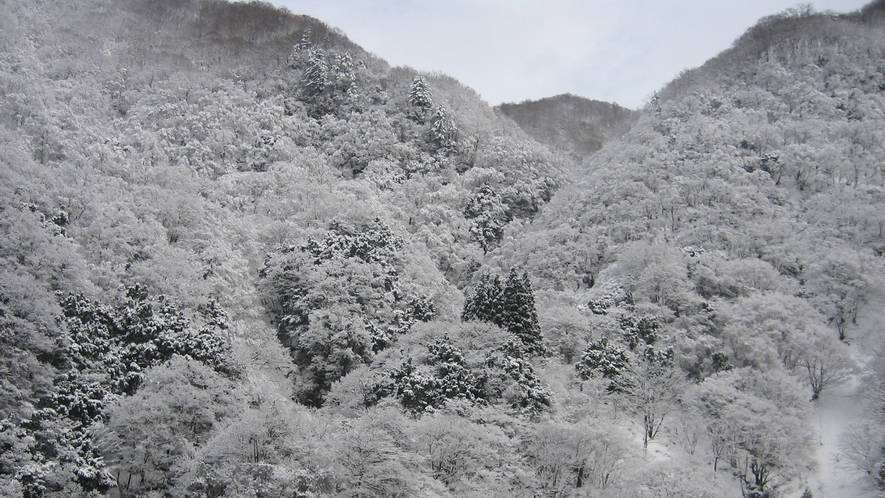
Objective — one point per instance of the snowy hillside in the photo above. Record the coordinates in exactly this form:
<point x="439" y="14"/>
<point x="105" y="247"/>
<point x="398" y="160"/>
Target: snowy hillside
<point x="241" y="256"/>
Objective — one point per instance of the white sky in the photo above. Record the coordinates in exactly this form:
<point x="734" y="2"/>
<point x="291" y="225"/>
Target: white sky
<point x="512" y="50"/>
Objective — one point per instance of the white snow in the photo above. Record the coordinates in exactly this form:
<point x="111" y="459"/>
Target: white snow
<point x="836" y="410"/>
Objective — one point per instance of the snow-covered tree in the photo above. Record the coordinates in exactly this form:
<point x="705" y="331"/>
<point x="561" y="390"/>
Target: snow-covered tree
<point x="650" y="387"/>
<point x="511" y="378"/>
<point x="316" y="74"/>
<point x="338" y="301"/>
<point x="485" y="303"/>
<point x="146" y="433"/>
<point x="510" y="305"/>
<point x="420" y="99"/>
<point x="520" y="316"/>
<point x="489" y="215"/>
<point x="446" y="376"/>
<point x="570" y="459"/>
<point x="443" y="131"/>
<point x="602" y="359"/>
<point x="756" y="424"/>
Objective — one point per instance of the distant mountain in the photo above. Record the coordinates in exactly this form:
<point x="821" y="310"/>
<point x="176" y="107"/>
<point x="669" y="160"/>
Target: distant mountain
<point x="570" y="123"/>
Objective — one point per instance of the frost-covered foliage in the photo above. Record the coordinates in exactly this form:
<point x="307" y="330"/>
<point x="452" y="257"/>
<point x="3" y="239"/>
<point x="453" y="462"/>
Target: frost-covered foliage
<point x="443" y="131"/>
<point x="614" y="296"/>
<point x="47" y="455"/>
<point x="488" y="216"/>
<point x="449" y="377"/>
<point x="602" y="358"/>
<point x="755" y="424"/>
<point x="102" y="355"/>
<point x="510" y="305"/>
<point x="458" y="372"/>
<point x="318" y="222"/>
<point x="518" y="384"/>
<point x="420" y="98"/>
<point x="638" y="329"/>
<point x="339" y="300"/>
<point x="330" y="83"/>
<point x="122" y="341"/>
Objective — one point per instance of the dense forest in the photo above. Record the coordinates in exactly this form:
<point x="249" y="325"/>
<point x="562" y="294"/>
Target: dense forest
<point x="241" y="256"/>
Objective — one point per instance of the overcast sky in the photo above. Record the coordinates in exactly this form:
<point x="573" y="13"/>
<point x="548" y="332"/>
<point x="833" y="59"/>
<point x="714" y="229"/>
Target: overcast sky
<point x="512" y="50"/>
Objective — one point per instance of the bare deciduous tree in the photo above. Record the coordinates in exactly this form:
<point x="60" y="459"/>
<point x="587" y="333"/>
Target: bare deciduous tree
<point x="650" y="387"/>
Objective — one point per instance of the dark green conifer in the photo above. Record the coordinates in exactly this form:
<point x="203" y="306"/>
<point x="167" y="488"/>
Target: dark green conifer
<point x="485" y="304"/>
<point x="520" y="316"/>
<point x="510" y="306"/>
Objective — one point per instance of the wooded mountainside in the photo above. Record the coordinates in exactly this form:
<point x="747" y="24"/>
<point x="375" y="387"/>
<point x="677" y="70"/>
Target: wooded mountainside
<point x="241" y="256"/>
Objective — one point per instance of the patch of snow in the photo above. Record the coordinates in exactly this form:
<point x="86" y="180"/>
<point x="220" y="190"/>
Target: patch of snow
<point x="658" y="450"/>
<point x="836" y="410"/>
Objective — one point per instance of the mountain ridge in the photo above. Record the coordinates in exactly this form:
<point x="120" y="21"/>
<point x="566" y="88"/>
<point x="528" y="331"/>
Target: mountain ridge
<point x="575" y="124"/>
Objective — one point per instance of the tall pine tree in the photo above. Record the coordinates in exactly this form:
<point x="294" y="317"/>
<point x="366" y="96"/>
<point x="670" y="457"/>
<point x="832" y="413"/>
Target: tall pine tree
<point x="443" y="131"/>
<point x="485" y="304"/>
<point x="510" y="306"/>
<point x="316" y="75"/>
<point x="421" y="99"/>
<point x="520" y="315"/>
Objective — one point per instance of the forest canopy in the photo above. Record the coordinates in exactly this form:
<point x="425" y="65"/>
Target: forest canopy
<point x="244" y="257"/>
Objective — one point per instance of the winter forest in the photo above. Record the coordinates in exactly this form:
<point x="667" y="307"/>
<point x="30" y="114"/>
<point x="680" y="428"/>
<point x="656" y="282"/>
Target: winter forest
<point x="241" y="256"/>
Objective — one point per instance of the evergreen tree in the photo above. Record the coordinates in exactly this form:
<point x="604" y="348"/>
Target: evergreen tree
<point x="443" y="132"/>
<point x="449" y="377"/>
<point x="601" y="358"/>
<point x="512" y="377"/>
<point x="485" y="304"/>
<point x="720" y="362"/>
<point x="316" y="75"/>
<point x="344" y="79"/>
<point x="489" y="215"/>
<point x="305" y="42"/>
<point x="636" y="329"/>
<point x="520" y="316"/>
<point x="420" y="99"/>
<point x="300" y="50"/>
<point x="510" y="306"/>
